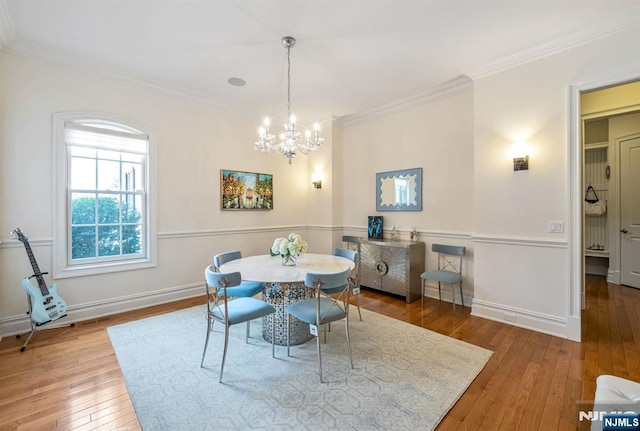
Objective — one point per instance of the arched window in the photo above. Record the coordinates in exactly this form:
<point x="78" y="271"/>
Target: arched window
<point x="104" y="209"/>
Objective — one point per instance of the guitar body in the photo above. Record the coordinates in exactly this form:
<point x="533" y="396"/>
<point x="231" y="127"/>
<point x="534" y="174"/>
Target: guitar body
<point x="45" y="305"/>
<point x="44" y="308"/>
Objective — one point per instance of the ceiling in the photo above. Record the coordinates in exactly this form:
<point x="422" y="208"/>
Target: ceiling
<point x="351" y="55"/>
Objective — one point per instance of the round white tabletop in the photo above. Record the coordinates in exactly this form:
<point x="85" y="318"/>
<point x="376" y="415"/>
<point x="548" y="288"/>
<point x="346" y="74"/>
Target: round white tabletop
<point x="270" y="269"/>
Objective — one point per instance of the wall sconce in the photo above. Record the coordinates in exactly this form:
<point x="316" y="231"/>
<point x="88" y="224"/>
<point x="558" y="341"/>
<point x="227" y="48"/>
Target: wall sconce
<point x="316" y="179"/>
<point x="520" y="154"/>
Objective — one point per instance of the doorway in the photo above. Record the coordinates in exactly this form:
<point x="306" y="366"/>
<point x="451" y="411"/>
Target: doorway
<point x="615" y="104"/>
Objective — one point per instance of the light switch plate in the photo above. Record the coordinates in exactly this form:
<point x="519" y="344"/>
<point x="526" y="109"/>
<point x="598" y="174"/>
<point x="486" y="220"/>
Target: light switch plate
<point x="554" y="226"/>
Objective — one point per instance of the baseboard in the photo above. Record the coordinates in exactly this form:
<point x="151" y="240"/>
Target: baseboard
<point x="613" y="277"/>
<point x="539" y="322"/>
<point x="20" y="324"/>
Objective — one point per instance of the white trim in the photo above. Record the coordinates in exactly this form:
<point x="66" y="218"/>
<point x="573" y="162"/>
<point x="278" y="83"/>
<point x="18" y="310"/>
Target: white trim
<point x="611" y="112"/>
<point x="229" y="231"/>
<point x="488" y="239"/>
<point x="42" y="242"/>
<point x="613" y="277"/>
<point x="447" y="89"/>
<point x="14" y="243"/>
<point x="540" y="322"/>
<point x="576" y="297"/>
<point x="574" y="328"/>
<point x="466" y="236"/>
<point x="94" y="310"/>
<point x="524" y="241"/>
<point x="556" y="46"/>
<point x="59" y="58"/>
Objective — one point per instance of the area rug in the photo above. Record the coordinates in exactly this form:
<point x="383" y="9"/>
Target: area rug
<point x="404" y="377"/>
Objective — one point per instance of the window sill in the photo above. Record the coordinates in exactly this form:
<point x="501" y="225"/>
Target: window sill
<point x="104" y="268"/>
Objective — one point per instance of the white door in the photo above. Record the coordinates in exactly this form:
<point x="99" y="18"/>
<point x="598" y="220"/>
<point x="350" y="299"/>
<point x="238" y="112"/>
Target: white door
<point x="630" y="212"/>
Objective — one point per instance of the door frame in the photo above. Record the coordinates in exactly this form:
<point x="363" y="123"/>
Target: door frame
<point x="574" y="207"/>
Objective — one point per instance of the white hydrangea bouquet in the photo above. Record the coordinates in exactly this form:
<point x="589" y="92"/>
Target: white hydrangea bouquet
<point x="289" y="248"/>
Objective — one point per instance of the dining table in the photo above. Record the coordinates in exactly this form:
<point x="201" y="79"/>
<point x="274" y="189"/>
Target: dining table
<point x="284" y="284"/>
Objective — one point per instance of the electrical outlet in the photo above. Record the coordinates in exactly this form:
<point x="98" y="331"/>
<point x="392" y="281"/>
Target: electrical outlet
<point x="510" y="317"/>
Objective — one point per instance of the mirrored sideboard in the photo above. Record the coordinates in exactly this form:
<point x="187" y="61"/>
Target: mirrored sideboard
<point x="393" y="267"/>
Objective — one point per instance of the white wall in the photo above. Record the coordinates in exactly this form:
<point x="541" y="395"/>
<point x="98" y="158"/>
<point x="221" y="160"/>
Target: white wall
<point x="436" y="135"/>
<point x="523" y="273"/>
<point x="195" y="140"/>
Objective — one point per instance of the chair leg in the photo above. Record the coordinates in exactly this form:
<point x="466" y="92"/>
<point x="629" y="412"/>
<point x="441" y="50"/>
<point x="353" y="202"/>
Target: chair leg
<point x="422" y="296"/>
<point x="439" y="294"/>
<point x="461" y="297"/>
<point x="206" y="341"/>
<point x="224" y="352"/>
<point x="319" y="356"/>
<point x="358" y="304"/>
<point x="453" y="297"/>
<point x="346" y="325"/>
<point x="288" y="329"/>
<point x="273" y="338"/>
<point x="246" y="339"/>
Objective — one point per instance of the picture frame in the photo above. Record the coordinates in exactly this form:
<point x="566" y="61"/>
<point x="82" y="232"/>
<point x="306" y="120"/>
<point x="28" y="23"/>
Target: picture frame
<point x="399" y="190"/>
<point x="375" y="227"/>
<point x="240" y="190"/>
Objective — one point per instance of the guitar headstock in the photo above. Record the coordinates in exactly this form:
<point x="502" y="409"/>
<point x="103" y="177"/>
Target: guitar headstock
<point x="17" y="234"/>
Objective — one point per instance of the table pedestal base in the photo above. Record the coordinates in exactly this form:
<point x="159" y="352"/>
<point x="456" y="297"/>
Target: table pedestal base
<point x="280" y="295"/>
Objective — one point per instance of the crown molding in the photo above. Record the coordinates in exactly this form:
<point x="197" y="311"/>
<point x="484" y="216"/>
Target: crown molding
<point x="61" y="59"/>
<point x="7" y="33"/>
<point x="556" y="46"/>
<point x="446" y="89"/>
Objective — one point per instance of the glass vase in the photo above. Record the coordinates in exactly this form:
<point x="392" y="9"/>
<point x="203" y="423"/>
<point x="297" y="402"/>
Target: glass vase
<point x="289" y="260"/>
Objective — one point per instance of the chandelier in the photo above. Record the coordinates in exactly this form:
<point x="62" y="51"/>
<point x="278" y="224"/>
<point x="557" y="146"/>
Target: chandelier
<point x="290" y="141"/>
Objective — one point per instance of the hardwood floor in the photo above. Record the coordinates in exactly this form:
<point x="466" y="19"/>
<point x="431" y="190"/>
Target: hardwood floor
<point x="69" y="378"/>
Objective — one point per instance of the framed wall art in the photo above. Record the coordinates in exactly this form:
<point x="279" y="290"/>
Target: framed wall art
<point x="399" y="190"/>
<point x="245" y="190"/>
<point x="374" y="227"/>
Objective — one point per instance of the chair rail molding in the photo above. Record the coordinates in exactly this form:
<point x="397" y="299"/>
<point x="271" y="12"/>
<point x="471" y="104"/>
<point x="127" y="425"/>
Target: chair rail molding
<point x="523" y="241"/>
<point x="466" y="236"/>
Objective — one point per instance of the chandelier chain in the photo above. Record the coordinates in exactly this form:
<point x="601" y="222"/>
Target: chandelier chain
<point x="288" y="82"/>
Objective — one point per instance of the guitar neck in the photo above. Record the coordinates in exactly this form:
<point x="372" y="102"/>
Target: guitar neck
<point x="36" y="270"/>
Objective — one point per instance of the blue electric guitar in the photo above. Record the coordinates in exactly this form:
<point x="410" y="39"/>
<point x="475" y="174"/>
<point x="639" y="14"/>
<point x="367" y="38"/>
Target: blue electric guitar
<point x="44" y="303"/>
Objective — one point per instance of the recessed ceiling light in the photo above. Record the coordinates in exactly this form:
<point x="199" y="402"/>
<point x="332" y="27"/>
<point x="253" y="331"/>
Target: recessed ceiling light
<point x="237" y="82"/>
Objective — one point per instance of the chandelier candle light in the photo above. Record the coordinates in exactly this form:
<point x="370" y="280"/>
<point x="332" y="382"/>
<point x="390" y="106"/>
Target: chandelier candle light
<point x="291" y="140"/>
<point x="289" y="248"/>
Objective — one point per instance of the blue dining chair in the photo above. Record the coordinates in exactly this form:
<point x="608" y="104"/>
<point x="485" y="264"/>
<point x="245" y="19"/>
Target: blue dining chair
<point x="246" y="288"/>
<point x="354" y="278"/>
<point x="220" y="308"/>
<point x="331" y="303"/>
<point x="449" y="270"/>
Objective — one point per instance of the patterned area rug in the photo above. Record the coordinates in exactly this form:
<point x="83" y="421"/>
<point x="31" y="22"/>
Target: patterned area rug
<point x="405" y="377"/>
